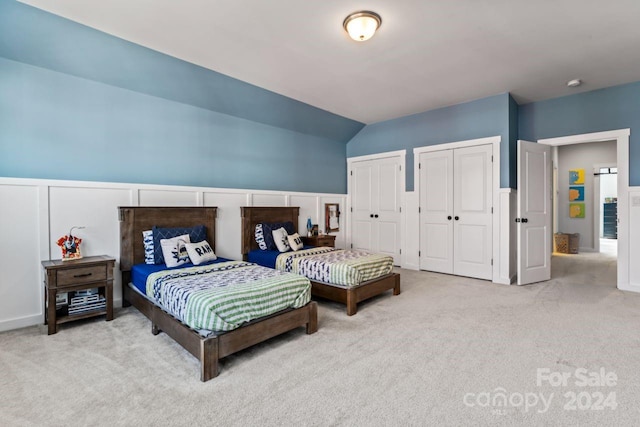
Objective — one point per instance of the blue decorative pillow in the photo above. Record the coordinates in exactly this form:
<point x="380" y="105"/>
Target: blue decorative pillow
<point x="267" y="233"/>
<point x="147" y="239"/>
<point x="196" y="234"/>
<point x="260" y="237"/>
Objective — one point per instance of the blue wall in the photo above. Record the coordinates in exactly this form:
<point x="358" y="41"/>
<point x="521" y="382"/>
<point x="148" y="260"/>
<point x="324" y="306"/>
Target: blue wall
<point x="477" y="119"/>
<point x="121" y="112"/>
<point x="607" y="109"/>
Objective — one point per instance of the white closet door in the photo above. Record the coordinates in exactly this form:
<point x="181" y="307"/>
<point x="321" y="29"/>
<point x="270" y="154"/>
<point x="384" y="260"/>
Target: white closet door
<point x="375" y="199"/>
<point x="534" y="212"/>
<point x="436" y="211"/>
<point x="364" y="174"/>
<point x="387" y="214"/>
<point x="473" y="220"/>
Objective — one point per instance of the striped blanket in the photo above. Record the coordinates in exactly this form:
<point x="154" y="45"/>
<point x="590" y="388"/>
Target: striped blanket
<point x="223" y="296"/>
<point x="345" y="268"/>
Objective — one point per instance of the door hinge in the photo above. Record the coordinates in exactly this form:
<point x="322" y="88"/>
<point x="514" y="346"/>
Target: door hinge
<point x="491" y="158"/>
<point x="419" y="165"/>
<point x="400" y="208"/>
<point x="492" y="209"/>
<point x="351" y="209"/>
<point x="400" y="168"/>
<point x="352" y="246"/>
<point x="419" y="209"/>
<point x="491" y="261"/>
<point x="400" y="251"/>
<point x="419" y="253"/>
<point x="351" y="173"/>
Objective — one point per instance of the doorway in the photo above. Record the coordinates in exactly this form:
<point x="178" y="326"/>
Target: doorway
<point x="621" y="138"/>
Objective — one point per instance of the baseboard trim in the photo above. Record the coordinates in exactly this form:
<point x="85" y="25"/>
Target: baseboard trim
<point x="629" y="287"/>
<point x="22" y="322"/>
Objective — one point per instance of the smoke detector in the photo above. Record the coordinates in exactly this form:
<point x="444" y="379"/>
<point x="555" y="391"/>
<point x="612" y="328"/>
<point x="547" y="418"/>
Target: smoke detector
<point x="574" y="83"/>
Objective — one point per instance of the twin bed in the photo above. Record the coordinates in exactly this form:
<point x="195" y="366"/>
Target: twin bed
<point x="221" y="307"/>
<point x="207" y="345"/>
<point x="366" y="285"/>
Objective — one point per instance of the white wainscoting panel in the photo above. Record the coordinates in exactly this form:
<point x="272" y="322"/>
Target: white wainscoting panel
<point x="228" y="223"/>
<point x="634" y="239"/>
<point x="96" y="210"/>
<point x="21" y="282"/>
<point x="411" y="234"/>
<point x="269" y="199"/>
<point x="308" y="209"/>
<point x="322" y="220"/>
<point x="167" y="198"/>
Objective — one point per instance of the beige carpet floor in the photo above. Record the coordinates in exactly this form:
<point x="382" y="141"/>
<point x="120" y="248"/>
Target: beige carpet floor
<point x="441" y="353"/>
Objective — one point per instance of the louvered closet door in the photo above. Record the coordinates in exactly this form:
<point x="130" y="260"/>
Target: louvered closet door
<point x="472" y="205"/>
<point x="436" y="211"/>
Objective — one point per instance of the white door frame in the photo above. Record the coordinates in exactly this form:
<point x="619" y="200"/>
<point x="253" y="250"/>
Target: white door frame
<point x="495" y="141"/>
<point x="402" y="154"/>
<point x="597" y="218"/>
<point x="622" y="159"/>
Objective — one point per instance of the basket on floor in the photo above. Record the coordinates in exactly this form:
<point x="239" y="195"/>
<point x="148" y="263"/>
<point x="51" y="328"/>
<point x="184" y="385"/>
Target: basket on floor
<point x="567" y="243"/>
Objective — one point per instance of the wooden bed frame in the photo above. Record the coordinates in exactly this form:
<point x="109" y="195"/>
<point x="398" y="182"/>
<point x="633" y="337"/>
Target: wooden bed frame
<point x="349" y="296"/>
<point x="133" y="221"/>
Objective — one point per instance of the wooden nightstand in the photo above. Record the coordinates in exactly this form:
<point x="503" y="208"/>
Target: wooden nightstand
<point x="78" y="275"/>
<point x="324" y="240"/>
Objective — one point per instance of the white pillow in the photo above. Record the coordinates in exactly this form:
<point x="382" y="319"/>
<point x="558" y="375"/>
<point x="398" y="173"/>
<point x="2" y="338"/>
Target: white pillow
<point x="174" y="250"/>
<point x="295" y="242"/>
<point x="280" y="238"/>
<point x="200" y="252"/>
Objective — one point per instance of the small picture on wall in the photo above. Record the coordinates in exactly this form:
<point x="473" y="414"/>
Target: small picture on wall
<point x="576" y="210"/>
<point x="331" y="217"/>
<point x="576" y="176"/>
<point x="576" y="194"/>
<point x="314" y="230"/>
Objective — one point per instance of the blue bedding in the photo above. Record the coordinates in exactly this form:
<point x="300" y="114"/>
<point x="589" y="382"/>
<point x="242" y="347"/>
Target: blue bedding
<point x="266" y="258"/>
<point x="140" y="272"/>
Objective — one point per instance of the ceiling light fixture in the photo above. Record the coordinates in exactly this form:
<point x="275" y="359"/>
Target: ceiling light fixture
<point x="574" y="83"/>
<point x="362" y="25"/>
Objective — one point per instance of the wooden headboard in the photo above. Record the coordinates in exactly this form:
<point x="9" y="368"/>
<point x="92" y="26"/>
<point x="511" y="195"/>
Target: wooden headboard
<point x="135" y="220"/>
<point x="255" y="215"/>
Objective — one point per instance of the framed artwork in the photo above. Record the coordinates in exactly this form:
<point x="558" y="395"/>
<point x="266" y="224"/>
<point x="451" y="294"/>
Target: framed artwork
<point x="576" y="210"/>
<point x="576" y="176"/>
<point x="331" y="217"/>
<point x="576" y="193"/>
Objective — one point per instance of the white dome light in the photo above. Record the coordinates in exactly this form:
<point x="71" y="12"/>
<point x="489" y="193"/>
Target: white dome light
<point x="362" y="25"/>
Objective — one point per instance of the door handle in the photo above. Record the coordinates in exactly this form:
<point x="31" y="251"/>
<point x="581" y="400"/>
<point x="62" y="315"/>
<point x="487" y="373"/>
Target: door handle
<point x="376" y="215"/>
<point x="456" y="217"/>
<point x="449" y="217"/>
<point x="371" y="215"/>
<point x="525" y="220"/>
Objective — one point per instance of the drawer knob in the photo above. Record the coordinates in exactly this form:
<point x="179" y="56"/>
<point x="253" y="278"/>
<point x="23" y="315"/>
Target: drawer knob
<point x="82" y="275"/>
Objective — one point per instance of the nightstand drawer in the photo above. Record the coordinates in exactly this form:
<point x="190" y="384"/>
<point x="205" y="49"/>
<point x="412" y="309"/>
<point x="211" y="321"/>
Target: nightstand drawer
<point x="325" y="241"/>
<point x="80" y="275"/>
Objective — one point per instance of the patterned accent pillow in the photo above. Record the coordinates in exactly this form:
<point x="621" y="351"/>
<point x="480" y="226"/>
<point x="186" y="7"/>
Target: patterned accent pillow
<point x="295" y="242"/>
<point x="196" y="234"/>
<point x="280" y="237"/>
<point x="200" y="252"/>
<point x="175" y="251"/>
<point x="267" y="232"/>
<point x="260" y="237"/>
<point x="147" y="240"/>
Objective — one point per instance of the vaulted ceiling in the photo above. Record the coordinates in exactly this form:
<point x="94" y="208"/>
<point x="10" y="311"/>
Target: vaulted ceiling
<point x="426" y="55"/>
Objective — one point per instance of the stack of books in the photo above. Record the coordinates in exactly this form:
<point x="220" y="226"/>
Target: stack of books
<point x="86" y="301"/>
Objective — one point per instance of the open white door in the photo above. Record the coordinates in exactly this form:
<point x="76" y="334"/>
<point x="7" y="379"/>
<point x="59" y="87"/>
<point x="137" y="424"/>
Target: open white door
<point x="534" y="212"/>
